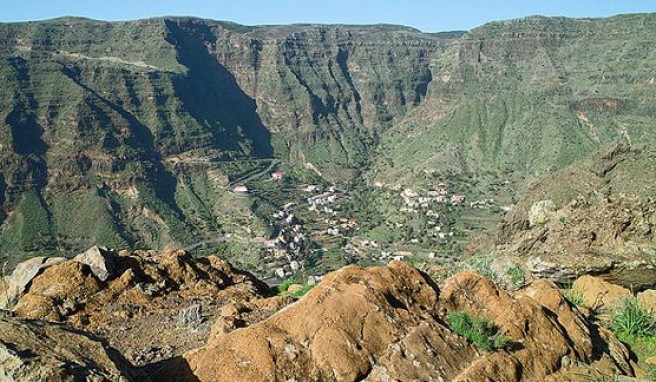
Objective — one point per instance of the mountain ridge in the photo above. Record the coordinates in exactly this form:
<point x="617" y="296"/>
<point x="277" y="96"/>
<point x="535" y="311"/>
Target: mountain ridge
<point x="146" y="122"/>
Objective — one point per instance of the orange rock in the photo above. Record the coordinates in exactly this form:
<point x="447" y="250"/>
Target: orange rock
<point x="599" y="294"/>
<point x="647" y="300"/>
<point x="383" y="323"/>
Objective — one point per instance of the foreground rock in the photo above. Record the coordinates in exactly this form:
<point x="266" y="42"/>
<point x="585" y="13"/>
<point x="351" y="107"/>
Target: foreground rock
<point x="149" y="306"/>
<point x="552" y="340"/>
<point x="32" y="351"/>
<point x="16" y="284"/>
<point x="389" y="323"/>
<point x="599" y="294"/>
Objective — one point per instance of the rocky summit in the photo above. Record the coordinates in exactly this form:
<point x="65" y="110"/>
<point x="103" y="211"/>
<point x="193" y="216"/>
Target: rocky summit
<point x="594" y="217"/>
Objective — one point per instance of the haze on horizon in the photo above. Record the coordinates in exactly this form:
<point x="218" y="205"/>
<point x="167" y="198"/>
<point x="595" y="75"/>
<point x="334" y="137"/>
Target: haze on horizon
<point x="426" y="15"/>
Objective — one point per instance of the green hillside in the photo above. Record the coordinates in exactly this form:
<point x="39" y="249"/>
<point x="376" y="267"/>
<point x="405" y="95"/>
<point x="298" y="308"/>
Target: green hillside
<point x="134" y="134"/>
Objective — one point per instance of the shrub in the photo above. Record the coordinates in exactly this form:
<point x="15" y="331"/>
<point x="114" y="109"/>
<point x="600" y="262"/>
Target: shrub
<point x="575" y="297"/>
<point x="477" y="330"/>
<point x="482" y="265"/>
<point x="301" y="292"/>
<point x="284" y="285"/>
<point x="629" y="318"/>
<point x="283" y="288"/>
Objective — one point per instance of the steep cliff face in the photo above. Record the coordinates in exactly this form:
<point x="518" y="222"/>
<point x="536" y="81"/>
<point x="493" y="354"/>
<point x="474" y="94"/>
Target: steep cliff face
<point x="112" y="132"/>
<point x="531" y="96"/>
<point x="323" y="91"/>
<point x="125" y="133"/>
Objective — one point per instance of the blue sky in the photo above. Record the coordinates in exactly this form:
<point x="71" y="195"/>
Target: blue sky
<point x="427" y="15"/>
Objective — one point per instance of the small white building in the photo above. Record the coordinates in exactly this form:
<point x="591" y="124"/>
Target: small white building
<point x="240" y="189"/>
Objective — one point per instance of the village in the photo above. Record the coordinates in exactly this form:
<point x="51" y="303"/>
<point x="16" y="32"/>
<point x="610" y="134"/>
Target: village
<point x="321" y="227"/>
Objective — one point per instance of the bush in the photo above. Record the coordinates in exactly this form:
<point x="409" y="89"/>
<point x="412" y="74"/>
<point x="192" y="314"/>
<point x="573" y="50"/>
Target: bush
<point x="516" y="275"/>
<point x="284" y="285"/>
<point x="630" y="319"/>
<point x="301" y="292"/>
<point x="575" y="297"/>
<point x="477" y="330"/>
<point x="482" y="265"/>
<point x="282" y="288"/>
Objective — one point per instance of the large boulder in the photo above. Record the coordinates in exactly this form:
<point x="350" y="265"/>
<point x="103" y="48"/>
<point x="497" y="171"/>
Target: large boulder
<point x="599" y="294"/>
<point x="647" y="300"/>
<point x="389" y="323"/>
<point x="102" y="261"/>
<point x="35" y="351"/>
<point x="17" y="283"/>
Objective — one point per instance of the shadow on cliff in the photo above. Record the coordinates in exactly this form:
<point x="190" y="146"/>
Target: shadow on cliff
<point x="212" y="95"/>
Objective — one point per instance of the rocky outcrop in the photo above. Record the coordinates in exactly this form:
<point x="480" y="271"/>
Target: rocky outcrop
<point x="389" y="323"/>
<point x="647" y="300"/>
<point x="34" y="351"/>
<point x="136" y="306"/>
<point x="534" y="316"/>
<point x="102" y="261"/>
<point x="598" y="294"/>
<point x="597" y="217"/>
<point x="16" y="284"/>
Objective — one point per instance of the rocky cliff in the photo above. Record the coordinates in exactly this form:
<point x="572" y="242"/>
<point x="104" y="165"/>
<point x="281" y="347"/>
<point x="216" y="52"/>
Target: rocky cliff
<point x="132" y="133"/>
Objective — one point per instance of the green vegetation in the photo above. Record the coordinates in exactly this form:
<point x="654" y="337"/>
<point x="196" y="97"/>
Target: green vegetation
<point x="575" y="297"/>
<point x="130" y="133"/>
<point x="516" y="275"/>
<point x="477" y="330"/>
<point x="482" y="266"/>
<point x="630" y="319"/>
<point x="283" y="288"/>
<point x="643" y="347"/>
<point x="284" y="285"/>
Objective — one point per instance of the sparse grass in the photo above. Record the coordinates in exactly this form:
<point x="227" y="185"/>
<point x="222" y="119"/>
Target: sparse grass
<point x="643" y="347"/>
<point x="301" y="292"/>
<point x="575" y="297"/>
<point x="477" y="330"/>
<point x="516" y="275"/>
<point x="597" y="376"/>
<point x="481" y="265"/>
<point x="630" y="319"/>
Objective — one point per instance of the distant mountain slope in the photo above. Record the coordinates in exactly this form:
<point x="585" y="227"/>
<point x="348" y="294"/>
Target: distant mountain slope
<point x="130" y="133"/>
<point x="113" y="132"/>
<point x="531" y="96"/>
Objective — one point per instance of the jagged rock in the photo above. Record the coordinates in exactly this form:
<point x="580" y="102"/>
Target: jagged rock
<point x="603" y="222"/>
<point x="540" y="212"/>
<point x="532" y="317"/>
<point x="647" y="300"/>
<point x="139" y="309"/>
<point x="337" y="331"/>
<point x="35" y="351"/>
<point x="60" y="291"/>
<point x="103" y="262"/>
<point x="240" y="315"/>
<point x="599" y="294"/>
<point x="16" y="284"/>
<point x="611" y="238"/>
<point x="388" y="323"/>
